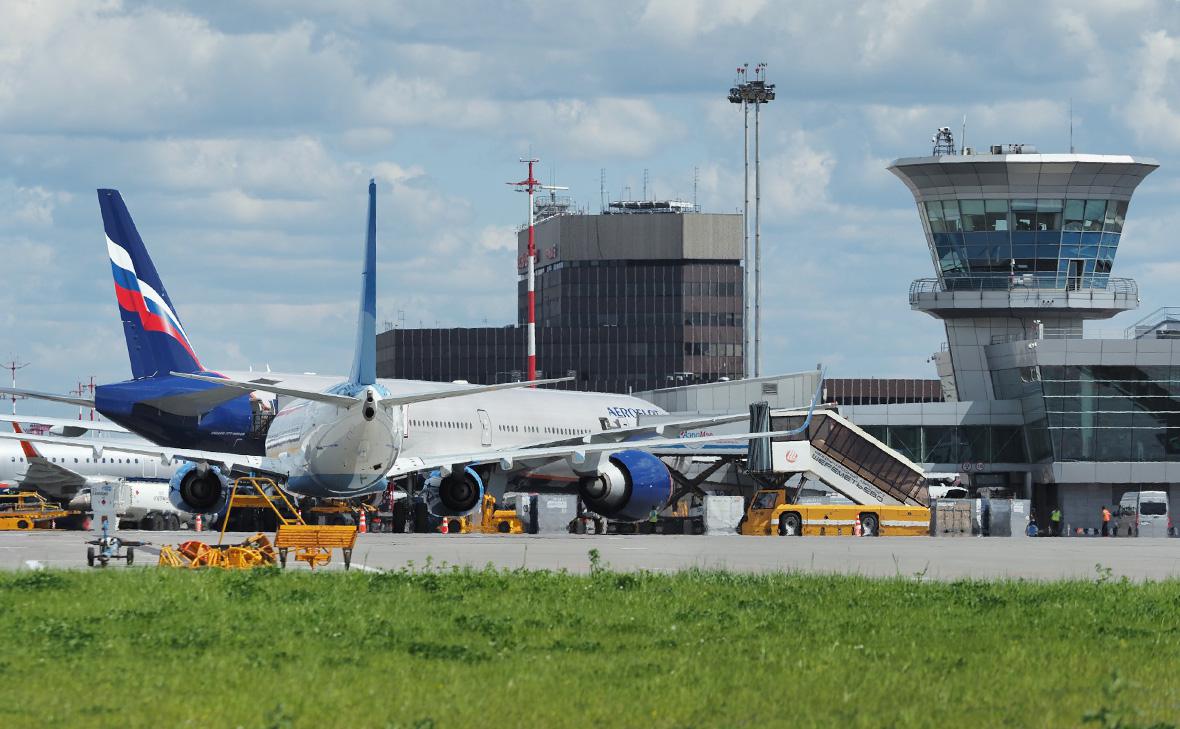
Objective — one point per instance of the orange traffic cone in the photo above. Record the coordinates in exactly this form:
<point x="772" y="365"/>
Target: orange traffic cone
<point x="197" y="526"/>
<point x="856" y="530"/>
<point x="361" y="526"/>
<point x="446" y="526"/>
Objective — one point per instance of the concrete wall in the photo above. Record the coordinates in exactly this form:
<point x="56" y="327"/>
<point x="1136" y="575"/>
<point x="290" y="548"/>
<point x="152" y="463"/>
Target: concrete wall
<point x="692" y="236"/>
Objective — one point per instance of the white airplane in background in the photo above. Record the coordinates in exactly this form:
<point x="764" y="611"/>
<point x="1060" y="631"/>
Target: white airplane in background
<point x="344" y="437"/>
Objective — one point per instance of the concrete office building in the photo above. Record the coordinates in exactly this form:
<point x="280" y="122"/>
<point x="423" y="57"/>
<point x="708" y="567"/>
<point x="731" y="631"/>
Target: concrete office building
<point x="644" y="295"/>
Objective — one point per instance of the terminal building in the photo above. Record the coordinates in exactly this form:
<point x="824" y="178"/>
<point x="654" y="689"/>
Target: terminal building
<point x="1023" y="247"/>
<point x="645" y="294"/>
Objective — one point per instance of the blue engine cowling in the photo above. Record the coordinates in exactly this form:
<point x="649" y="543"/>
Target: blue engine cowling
<point x="456" y="495"/>
<point x="628" y="486"/>
<point x="199" y="488"/>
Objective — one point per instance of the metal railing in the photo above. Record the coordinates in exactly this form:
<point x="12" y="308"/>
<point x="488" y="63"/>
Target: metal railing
<point x="1163" y="315"/>
<point x="1033" y="285"/>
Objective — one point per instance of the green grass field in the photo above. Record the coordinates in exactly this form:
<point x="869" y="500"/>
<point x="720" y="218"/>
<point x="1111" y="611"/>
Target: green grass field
<point x="443" y="648"/>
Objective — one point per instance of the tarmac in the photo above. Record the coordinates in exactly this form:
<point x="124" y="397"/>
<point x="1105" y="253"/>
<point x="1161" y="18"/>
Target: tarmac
<point x="1086" y="558"/>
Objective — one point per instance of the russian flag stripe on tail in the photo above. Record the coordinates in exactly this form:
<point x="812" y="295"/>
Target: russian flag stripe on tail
<point x="156" y="342"/>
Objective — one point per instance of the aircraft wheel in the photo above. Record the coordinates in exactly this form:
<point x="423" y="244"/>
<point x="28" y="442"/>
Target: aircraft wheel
<point x="173" y="522"/>
<point x="130" y="556"/>
<point x="90" y="556"/>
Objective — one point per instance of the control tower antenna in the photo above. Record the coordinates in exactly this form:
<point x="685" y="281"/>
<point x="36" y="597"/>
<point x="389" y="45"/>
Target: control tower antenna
<point x="602" y="189"/>
<point x="1071" y="125"/>
<point x="531" y="185"/>
<point x="12" y="366"/>
<point x="944" y="142"/>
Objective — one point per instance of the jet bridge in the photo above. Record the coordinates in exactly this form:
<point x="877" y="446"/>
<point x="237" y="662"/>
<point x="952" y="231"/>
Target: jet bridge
<point x="848" y="460"/>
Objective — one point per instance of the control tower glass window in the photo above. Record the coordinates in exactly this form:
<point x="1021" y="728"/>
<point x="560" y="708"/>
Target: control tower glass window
<point x="1043" y="242"/>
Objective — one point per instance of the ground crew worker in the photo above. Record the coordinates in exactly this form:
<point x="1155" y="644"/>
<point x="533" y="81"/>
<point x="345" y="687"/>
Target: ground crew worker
<point x="1055" y="523"/>
<point x="652" y="519"/>
<point x="1105" y="521"/>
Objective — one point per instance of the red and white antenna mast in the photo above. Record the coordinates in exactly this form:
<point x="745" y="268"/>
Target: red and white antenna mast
<point x="531" y="185"/>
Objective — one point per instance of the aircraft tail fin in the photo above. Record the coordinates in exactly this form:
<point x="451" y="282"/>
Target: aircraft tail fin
<point x="156" y="342"/>
<point x="364" y="363"/>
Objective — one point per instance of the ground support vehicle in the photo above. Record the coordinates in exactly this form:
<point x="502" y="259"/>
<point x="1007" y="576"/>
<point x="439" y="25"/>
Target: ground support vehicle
<point x="498" y="521"/>
<point x="1144" y="514"/>
<point x="107" y="547"/>
<point x="27" y="510"/>
<point x="769" y="514"/>
<point x="884" y="493"/>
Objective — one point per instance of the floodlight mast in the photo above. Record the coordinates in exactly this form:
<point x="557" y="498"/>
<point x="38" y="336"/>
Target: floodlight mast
<point x="531" y="185"/>
<point x="756" y="92"/>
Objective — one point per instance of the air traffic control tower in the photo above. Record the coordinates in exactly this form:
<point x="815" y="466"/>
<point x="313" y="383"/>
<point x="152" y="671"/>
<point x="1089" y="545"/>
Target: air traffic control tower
<point x="1023" y="245"/>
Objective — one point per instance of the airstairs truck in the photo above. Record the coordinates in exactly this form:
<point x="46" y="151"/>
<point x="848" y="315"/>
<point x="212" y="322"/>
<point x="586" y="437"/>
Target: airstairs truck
<point x="886" y="492"/>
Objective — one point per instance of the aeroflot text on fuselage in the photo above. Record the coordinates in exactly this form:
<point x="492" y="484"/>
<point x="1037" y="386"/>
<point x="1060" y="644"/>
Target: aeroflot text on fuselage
<point x="632" y="412"/>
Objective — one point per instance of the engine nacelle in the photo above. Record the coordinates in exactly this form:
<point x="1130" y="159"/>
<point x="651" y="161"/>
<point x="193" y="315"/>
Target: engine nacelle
<point x="628" y="486"/>
<point x="456" y="495"/>
<point x="199" y="488"/>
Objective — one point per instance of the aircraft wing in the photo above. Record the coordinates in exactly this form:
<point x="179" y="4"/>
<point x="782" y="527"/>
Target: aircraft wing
<point x="585" y="453"/>
<point x="85" y="402"/>
<point x="70" y="427"/>
<point x="267" y="384"/>
<point x="229" y="461"/>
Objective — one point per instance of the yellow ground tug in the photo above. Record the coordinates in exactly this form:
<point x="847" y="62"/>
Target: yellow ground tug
<point x="312" y="544"/>
<point x="28" y="509"/>
<point x="498" y="521"/>
<point x="885" y="491"/>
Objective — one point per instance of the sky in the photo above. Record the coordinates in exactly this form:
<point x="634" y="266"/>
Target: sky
<point x="242" y="136"/>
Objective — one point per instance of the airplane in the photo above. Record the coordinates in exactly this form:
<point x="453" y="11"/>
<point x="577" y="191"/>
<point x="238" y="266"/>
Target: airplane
<point x="337" y="437"/>
<point x="67" y="473"/>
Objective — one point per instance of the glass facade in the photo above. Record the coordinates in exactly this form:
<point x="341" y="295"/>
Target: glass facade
<point x="1060" y="243"/>
<point x="953" y="444"/>
<point x="1098" y="412"/>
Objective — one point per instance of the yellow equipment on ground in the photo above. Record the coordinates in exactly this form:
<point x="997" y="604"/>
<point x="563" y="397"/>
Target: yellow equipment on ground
<point x="502" y="521"/>
<point x="26" y="509"/>
<point x="769" y="513"/>
<point x="313" y="544"/>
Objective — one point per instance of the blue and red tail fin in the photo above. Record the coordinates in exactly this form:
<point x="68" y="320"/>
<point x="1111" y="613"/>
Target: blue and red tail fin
<point x="156" y="342"/>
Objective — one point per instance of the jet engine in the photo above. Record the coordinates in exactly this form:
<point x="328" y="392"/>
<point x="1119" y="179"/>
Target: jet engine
<point x="199" y="488"/>
<point x="628" y="486"/>
<point x="456" y="495"/>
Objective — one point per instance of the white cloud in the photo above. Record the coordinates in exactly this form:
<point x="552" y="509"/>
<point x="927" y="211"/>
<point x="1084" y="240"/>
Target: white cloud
<point x="27" y="205"/>
<point x="1149" y="112"/>
<point x="681" y="21"/>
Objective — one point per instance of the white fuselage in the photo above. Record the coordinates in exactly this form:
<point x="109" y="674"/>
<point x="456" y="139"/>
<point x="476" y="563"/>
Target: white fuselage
<point x="334" y="451"/>
<point x="81" y="460"/>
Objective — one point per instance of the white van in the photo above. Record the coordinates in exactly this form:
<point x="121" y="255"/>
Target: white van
<point x="1145" y="514"/>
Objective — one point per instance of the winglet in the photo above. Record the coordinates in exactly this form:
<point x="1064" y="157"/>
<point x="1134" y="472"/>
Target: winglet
<point x="364" y="364"/>
<point x="26" y="446"/>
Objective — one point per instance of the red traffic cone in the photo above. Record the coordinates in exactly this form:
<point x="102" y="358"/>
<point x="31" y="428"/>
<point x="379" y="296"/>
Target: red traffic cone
<point x="197" y="526"/>
<point x="446" y="526"/>
<point x="856" y="531"/>
<point x="361" y="526"/>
